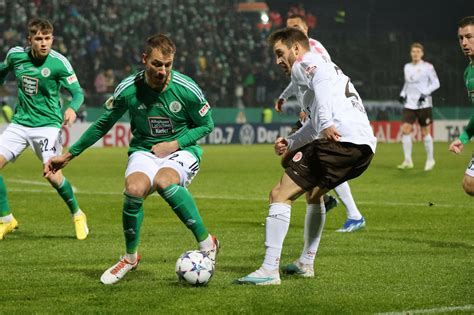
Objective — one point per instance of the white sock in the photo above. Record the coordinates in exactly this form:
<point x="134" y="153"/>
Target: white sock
<point x="7" y="218"/>
<point x="131" y="258"/>
<point x="428" y="141"/>
<point x="407" y="146"/>
<point x="344" y="193"/>
<point x="313" y="228"/>
<point x="78" y="213"/>
<point x="207" y="244"/>
<point x="276" y="227"/>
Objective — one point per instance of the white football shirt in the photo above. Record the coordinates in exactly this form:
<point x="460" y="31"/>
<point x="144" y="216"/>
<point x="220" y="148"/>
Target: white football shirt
<point x="420" y="79"/>
<point x="328" y="98"/>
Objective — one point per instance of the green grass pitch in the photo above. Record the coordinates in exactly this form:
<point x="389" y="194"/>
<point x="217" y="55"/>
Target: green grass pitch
<point x="416" y="253"/>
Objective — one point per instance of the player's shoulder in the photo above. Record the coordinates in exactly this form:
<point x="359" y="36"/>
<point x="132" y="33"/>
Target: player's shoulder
<point x="60" y="60"/>
<point x="187" y="86"/>
<point x="16" y="51"/>
<point x="127" y="86"/>
<point x="428" y="65"/>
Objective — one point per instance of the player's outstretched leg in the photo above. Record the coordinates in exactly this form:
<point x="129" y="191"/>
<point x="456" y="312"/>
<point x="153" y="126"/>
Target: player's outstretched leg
<point x="313" y="229"/>
<point x="276" y="228"/>
<point x="132" y="218"/>
<point x="183" y="204"/>
<point x="64" y="189"/>
<point x="8" y="223"/>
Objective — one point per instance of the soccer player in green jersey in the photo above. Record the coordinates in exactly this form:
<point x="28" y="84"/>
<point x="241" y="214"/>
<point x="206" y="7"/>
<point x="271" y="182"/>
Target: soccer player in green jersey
<point x="40" y="72"/>
<point x="168" y="115"/>
<point x="466" y="41"/>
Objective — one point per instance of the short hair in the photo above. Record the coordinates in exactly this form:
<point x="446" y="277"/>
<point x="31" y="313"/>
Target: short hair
<point x="39" y="25"/>
<point x="417" y="45"/>
<point x="288" y="37"/>
<point x="161" y="42"/>
<point x="465" y="21"/>
<point x="297" y="16"/>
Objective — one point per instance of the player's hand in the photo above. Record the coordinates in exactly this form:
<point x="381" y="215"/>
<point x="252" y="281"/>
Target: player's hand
<point x="331" y="133"/>
<point x="421" y="100"/>
<point x="56" y="163"/>
<point x="69" y="117"/>
<point x="163" y="149"/>
<point x="402" y="100"/>
<point x="456" y="146"/>
<point x="303" y="116"/>
<point x="279" y="104"/>
<point x="281" y="146"/>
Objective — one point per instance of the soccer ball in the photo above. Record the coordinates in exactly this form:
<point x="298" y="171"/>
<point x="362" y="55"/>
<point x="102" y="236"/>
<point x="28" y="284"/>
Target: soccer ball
<point x="194" y="267"/>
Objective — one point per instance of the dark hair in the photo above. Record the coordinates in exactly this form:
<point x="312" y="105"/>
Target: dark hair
<point x="162" y="42"/>
<point x="417" y="45"/>
<point x="297" y="16"/>
<point x="288" y="36"/>
<point x="38" y="24"/>
<point x="465" y="21"/>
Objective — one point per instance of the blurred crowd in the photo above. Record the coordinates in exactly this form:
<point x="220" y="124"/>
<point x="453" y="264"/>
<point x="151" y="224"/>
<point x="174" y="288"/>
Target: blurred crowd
<point x="224" y="52"/>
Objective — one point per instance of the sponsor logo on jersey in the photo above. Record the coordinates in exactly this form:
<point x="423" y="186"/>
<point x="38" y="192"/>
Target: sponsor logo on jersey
<point x="298" y="156"/>
<point x="175" y="106"/>
<point x="142" y="106"/>
<point x="309" y="71"/>
<point x="71" y="79"/>
<point x="160" y="126"/>
<point x="45" y="72"/>
<point x="159" y="105"/>
<point x="30" y="85"/>
<point x="203" y="111"/>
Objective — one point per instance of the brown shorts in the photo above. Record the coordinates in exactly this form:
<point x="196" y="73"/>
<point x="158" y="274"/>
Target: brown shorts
<point x="424" y="116"/>
<point x="327" y="164"/>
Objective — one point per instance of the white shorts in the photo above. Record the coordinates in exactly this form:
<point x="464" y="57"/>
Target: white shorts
<point x="181" y="161"/>
<point x="470" y="168"/>
<point x="45" y="141"/>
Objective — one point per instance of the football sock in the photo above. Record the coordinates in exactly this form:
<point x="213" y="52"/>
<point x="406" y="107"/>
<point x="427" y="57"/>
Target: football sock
<point x="66" y="192"/>
<point x="276" y="227"/>
<point x="7" y="219"/>
<point x="407" y="146"/>
<point x="132" y="218"/>
<point x="131" y="258"/>
<point x="344" y="193"/>
<point x="313" y="228"/>
<point x="207" y="244"/>
<point x="428" y="142"/>
<point x="4" y="206"/>
<point x="77" y="213"/>
<point x="185" y="208"/>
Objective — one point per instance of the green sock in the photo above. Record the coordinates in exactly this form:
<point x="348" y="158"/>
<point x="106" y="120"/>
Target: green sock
<point x="185" y="208"/>
<point x="4" y="206"/>
<point x="132" y="218"/>
<point x="66" y="192"/>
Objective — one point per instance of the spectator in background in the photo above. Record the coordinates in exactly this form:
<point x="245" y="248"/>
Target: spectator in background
<point x="420" y="82"/>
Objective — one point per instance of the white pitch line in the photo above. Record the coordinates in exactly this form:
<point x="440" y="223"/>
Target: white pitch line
<point x="243" y="198"/>
<point x="35" y="183"/>
<point x="433" y="310"/>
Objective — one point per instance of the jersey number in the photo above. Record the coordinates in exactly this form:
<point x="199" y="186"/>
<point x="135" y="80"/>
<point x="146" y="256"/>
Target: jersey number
<point x="44" y="146"/>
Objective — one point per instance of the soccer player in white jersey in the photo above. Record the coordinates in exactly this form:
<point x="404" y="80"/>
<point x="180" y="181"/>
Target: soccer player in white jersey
<point x="420" y="82"/>
<point x="355" y="221"/>
<point x="335" y="144"/>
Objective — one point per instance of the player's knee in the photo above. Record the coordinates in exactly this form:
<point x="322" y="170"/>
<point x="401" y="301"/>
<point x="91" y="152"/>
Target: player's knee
<point x="136" y="189"/>
<point x="55" y="179"/>
<point x="275" y="194"/>
<point x="468" y="185"/>
<point x="406" y="129"/>
<point x="165" y="178"/>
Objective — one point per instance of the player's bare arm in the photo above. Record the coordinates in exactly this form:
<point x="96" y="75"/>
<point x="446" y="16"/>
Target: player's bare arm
<point x="56" y="163"/>
<point x="163" y="149"/>
<point x="69" y="117"/>
<point x="281" y="146"/>
<point x="331" y="133"/>
<point x="456" y="146"/>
